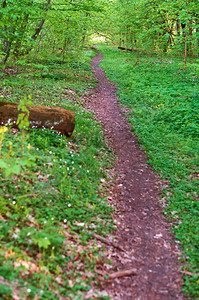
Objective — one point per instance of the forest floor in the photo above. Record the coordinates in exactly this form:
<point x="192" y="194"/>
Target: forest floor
<point x="142" y="231"/>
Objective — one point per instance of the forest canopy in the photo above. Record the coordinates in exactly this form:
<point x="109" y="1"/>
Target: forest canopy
<point x="60" y="26"/>
<point x="63" y="27"/>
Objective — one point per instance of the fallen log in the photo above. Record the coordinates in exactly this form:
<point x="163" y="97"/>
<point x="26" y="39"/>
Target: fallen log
<point x="54" y="118"/>
<point x="128" y="49"/>
<point x="121" y="48"/>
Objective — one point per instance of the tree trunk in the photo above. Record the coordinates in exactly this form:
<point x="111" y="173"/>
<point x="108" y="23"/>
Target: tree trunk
<point x="185" y="50"/>
<point x="39" y="28"/>
<point x="183" y="28"/>
<point x="7" y="51"/>
<point x="4" y="4"/>
<point x="55" y="118"/>
<point x="21" y="34"/>
<point x="178" y="27"/>
<point x="64" y="50"/>
<point x="189" y="46"/>
<point x="8" y="44"/>
<point x="37" y="31"/>
<point x="186" y="37"/>
<point x="197" y="33"/>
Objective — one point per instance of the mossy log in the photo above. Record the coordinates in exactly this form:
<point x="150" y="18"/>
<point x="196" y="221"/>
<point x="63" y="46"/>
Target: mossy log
<point x="54" y="118"/>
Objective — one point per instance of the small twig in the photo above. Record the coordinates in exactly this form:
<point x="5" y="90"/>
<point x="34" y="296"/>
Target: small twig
<point x="106" y="241"/>
<point x="28" y="195"/>
<point x="101" y="273"/>
<point x="189" y="273"/>
<point x="123" y="273"/>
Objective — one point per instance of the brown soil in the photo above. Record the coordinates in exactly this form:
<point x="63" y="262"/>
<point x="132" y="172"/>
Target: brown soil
<point x="141" y="229"/>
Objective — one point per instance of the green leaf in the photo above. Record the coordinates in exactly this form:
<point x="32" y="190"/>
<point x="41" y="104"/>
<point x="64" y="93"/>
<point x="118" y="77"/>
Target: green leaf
<point x="43" y="242"/>
<point x="12" y="170"/>
<point x="3" y="164"/>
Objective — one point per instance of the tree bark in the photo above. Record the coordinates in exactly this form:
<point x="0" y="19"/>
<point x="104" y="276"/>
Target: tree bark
<point x="8" y="44"/>
<point x="178" y="27"/>
<point x="40" y="26"/>
<point x="4" y="4"/>
<point x="197" y="33"/>
<point x="7" y="51"/>
<point x="54" y="118"/>
<point x="21" y="33"/>
<point x="186" y="37"/>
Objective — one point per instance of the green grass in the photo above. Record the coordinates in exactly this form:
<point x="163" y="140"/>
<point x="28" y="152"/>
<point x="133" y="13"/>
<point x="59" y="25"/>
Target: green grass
<point x="51" y="193"/>
<point x="48" y="81"/>
<point x="164" y="102"/>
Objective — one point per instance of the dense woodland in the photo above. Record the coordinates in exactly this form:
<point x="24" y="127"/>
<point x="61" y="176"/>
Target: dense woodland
<point x="65" y="26"/>
<point x="53" y="189"/>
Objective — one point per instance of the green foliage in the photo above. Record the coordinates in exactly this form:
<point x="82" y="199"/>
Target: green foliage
<point x="5" y="290"/>
<point x="22" y="120"/>
<point x="16" y="160"/>
<point x="163" y="98"/>
<point x="52" y="203"/>
<point x="160" y="26"/>
<point x="29" y="27"/>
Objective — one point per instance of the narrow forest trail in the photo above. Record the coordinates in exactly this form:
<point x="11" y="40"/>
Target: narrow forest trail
<point x="142" y="231"/>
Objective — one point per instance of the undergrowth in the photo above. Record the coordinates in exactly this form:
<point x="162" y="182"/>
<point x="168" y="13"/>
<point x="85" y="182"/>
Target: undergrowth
<point x="51" y="197"/>
<point x="164" y="102"/>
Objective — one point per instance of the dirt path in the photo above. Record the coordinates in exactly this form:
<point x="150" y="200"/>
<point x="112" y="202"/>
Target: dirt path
<point x="142" y="231"/>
